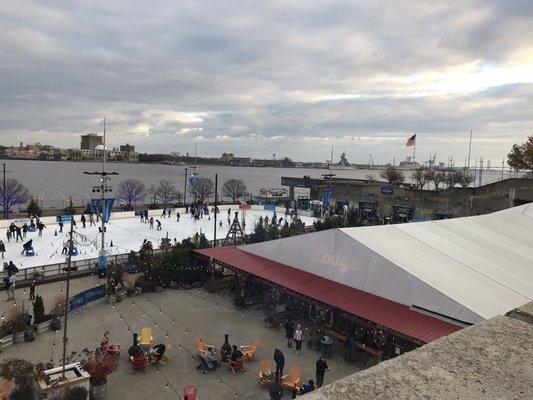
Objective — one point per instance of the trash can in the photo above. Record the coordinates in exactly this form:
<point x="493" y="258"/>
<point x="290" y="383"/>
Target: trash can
<point x="326" y="346"/>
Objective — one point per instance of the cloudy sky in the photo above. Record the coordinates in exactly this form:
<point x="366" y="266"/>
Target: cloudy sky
<point x="259" y="78"/>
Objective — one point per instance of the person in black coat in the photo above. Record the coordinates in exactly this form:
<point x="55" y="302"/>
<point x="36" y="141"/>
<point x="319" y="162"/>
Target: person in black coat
<point x="289" y="331"/>
<point x="279" y="359"/>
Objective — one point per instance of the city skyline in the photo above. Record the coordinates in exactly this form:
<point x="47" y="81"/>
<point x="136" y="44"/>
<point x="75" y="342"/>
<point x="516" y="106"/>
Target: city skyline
<point x="286" y="79"/>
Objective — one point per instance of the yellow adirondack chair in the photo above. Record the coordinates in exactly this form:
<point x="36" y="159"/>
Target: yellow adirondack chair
<point x="146" y="339"/>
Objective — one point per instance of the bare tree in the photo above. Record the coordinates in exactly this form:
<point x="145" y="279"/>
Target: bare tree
<point x="450" y="178"/>
<point x="166" y="192"/>
<point x="464" y="178"/>
<point x="202" y="189"/>
<point x="234" y="188"/>
<point x="437" y="177"/>
<point x="420" y="177"/>
<point x="393" y="175"/>
<point x="12" y="193"/>
<point x="131" y="191"/>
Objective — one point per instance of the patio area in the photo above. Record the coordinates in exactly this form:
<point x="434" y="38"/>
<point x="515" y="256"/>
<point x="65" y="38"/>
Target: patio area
<point x="176" y="317"/>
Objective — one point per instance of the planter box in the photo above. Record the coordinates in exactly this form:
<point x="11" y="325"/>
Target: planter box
<point x="19" y="336"/>
<point x="111" y="299"/>
<point x="43" y="327"/>
<point x="99" y="392"/>
<point x="75" y="375"/>
<point x="7" y="341"/>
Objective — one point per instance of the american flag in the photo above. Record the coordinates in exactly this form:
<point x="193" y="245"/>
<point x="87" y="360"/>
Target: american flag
<point x="411" y="141"/>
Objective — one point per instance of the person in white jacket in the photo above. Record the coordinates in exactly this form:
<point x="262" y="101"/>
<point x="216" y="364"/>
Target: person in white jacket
<point x="299" y="338"/>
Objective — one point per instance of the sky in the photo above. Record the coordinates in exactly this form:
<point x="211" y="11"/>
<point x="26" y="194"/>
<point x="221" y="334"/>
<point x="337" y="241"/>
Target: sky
<point x="284" y="78"/>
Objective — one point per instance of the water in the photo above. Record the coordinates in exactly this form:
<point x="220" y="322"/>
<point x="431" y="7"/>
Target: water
<point x="52" y="182"/>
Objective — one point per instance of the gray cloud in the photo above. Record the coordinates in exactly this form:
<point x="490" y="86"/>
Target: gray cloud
<point x="264" y="77"/>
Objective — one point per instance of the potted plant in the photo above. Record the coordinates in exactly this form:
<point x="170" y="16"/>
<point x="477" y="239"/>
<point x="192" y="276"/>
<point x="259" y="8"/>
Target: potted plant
<point x="19" y="320"/>
<point x="111" y="294"/>
<point x="29" y="334"/>
<point x="99" y="365"/>
<point x="57" y="311"/>
<point x="6" y="334"/>
<point x="41" y="320"/>
<point x="22" y="373"/>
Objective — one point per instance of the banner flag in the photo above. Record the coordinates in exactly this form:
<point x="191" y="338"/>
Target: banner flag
<point x="108" y="206"/>
<point x="96" y="205"/>
<point x="327" y="196"/>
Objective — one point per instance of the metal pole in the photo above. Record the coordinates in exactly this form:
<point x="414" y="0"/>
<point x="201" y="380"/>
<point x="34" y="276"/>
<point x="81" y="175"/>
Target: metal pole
<point x="469" y="150"/>
<point x="65" y="312"/>
<point x="102" y="197"/>
<point x="216" y="204"/>
<point x="480" y="171"/>
<point x="4" y="193"/>
<point x="503" y="163"/>
<point x="185" y="187"/>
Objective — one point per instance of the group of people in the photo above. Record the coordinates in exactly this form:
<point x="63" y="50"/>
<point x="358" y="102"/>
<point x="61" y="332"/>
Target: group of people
<point x="153" y="355"/>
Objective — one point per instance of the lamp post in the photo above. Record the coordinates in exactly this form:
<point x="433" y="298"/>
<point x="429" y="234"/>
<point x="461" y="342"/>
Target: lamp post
<point x="65" y="311"/>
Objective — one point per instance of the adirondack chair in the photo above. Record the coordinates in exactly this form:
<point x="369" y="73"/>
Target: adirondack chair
<point x="266" y="375"/>
<point x="292" y="379"/>
<point x="200" y="344"/>
<point x="4" y="389"/>
<point x="249" y="351"/>
<point x="237" y="365"/>
<point x="139" y="362"/>
<point x="146" y="339"/>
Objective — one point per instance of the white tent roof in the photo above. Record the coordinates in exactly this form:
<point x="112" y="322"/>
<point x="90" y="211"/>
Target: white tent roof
<point x="469" y="269"/>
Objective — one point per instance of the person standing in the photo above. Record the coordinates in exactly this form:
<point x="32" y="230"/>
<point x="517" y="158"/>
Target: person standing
<point x="8" y="235"/>
<point x="11" y="287"/>
<point x="177" y="216"/>
<point x="60" y="226"/>
<point x="19" y="233"/>
<point x="40" y="227"/>
<point x="151" y="222"/>
<point x="32" y="291"/>
<point x="24" y="230"/>
<point x="289" y="331"/>
<point x="279" y="359"/>
<point x="299" y="338"/>
<point x="164" y="214"/>
<point x="2" y="248"/>
<point x="83" y="220"/>
<point x="321" y="368"/>
<point x="349" y="344"/>
<point x="169" y="212"/>
<point x="91" y="219"/>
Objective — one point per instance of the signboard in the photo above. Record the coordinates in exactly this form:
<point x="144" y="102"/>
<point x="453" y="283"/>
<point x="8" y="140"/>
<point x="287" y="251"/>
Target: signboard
<point x="387" y="191"/>
<point x="139" y="212"/>
<point x="108" y="206"/>
<point x="327" y="196"/>
<point x="270" y="207"/>
<point x="76" y="302"/>
<point x="245" y="207"/>
<point x="95" y="293"/>
<point x="64" y="218"/>
<point x="81" y="299"/>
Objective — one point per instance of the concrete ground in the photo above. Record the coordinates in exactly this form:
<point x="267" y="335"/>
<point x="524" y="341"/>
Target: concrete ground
<point x="195" y="313"/>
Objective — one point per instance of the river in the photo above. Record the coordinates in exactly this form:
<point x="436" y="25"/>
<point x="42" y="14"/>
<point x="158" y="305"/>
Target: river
<point x="52" y="182"/>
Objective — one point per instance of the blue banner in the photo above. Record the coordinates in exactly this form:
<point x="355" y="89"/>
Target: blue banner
<point x="64" y="218"/>
<point x="327" y="196"/>
<point x="387" y="191"/>
<point x="108" y="206"/>
<point x="96" y="205"/>
<point x="81" y="299"/>
<point x="270" y="207"/>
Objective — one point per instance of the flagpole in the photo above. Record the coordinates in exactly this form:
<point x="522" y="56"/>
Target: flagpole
<point x="414" y="152"/>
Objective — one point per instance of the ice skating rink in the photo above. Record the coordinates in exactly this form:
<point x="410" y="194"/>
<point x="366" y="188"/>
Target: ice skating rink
<point x="126" y="234"/>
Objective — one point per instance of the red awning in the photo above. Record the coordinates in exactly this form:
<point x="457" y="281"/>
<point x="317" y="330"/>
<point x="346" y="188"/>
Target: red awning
<point x="395" y="316"/>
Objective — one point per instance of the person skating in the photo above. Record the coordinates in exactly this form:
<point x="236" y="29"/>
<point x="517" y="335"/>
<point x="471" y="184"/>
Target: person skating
<point x="164" y="214"/>
<point x="40" y="227"/>
<point x="32" y="291"/>
<point x="26" y="246"/>
<point x="83" y="220"/>
<point x="60" y="226"/>
<point x="158" y="225"/>
<point x="177" y="216"/>
<point x="18" y="233"/>
<point x="289" y="331"/>
<point x="12" y="228"/>
<point x="321" y="368"/>
<point x="151" y="222"/>
<point x="169" y="212"/>
<point x="91" y="219"/>
<point x="2" y="248"/>
<point x="279" y="359"/>
<point x="8" y="235"/>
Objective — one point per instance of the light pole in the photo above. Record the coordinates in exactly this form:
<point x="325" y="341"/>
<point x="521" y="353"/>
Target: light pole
<point x="65" y="312"/>
<point x="4" y="191"/>
<point x="185" y="187"/>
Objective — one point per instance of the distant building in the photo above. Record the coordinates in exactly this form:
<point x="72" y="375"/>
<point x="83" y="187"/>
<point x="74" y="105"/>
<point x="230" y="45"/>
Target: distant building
<point x="90" y="141"/>
<point x="229" y="158"/>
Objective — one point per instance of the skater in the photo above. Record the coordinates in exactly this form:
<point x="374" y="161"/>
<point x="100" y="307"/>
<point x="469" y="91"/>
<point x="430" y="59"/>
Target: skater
<point x="24" y="230"/>
<point x="142" y="216"/>
<point x="169" y="212"/>
<point x="164" y="214"/>
<point x="158" y="225"/>
<point x="177" y="216"/>
<point x="145" y="216"/>
<point x="41" y="226"/>
<point x="151" y="222"/>
<point x="26" y="246"/>
<point x="10" y="283"/>
<point x="289" y="331"/>
<point x="299" y="338"/>
<point x="12" y="228"/>
<point x="220" y="223"/>
<point x="32" y="291"/>
<point x="83" y="220"/>
<point x="91" y="219"/>
<point x="321" y="368"/>
<point x="279" y="359"/>
<point x="2" y="248"/>
<point x="65" y="247"/>
<point x="19" y="233"/>
<point x="8" y="235"/>
<point x="60" y="226"/>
